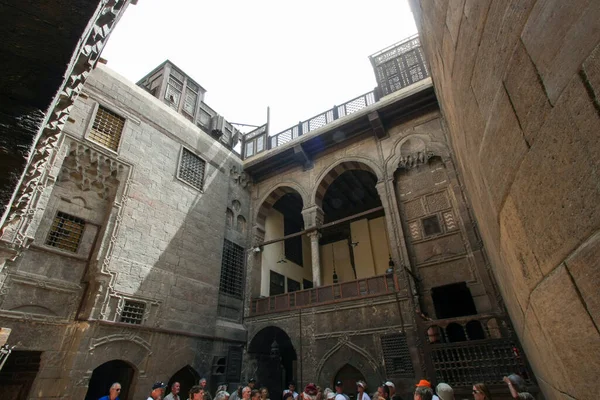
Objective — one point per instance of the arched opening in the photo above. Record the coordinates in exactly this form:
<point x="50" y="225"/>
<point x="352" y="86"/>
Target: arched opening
<point x="286" y="264"/>
<point x="18" y="373"/>
<point x="349" y="375"/>
<point x="455" y="333"/>
<point x="475" y="330"/>
<point x="108" y="373"/>
<point x="187" y="377"/>
<point x="275" y="357"/>
<point x="357" y="247"/>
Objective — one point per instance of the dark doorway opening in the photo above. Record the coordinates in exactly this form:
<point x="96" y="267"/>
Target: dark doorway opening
<point x="290" y="205"/>
<point x="275" y="358"/>
<point x="454" y="300"/>
<point x="18" y="374"/>
<point x="187" y="377"/>
<point x="108" y="373"/>
<point x="349" y="375"/>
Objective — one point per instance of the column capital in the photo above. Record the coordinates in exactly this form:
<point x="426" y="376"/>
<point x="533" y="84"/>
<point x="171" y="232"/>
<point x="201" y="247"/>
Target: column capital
<point x="313" y="216"/>
<point x="314" y="235"/>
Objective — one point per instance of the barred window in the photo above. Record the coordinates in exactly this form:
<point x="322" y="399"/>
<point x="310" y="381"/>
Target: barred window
<point x="66" y="232"/>
<point x="396" y="356"/>
<point x="232" y="269"/>
<point x="431" y="225"/>
<point x="107" y="128"/>
<point x="173" y="93"/>
<point x="191" y="169"/>
<point x="133" y="312"/>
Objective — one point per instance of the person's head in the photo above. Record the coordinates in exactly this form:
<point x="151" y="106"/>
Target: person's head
<point x="310" y="392"/>
<point x="222" y="395"/>
<point x="158" y="389"/>
<point x="361" y="386"/>
<point x="175" y="387"/>
<point x="114" y="391"/>
<point x="391" y="387"/>
<point x="481" y="392"/>
<point x="330" y="395"/>
<point x="444" y="391"/>
<point x="246" y="392"/>
<point x="517" y="383"/>
<point x="339" y="387"/>
<point x="423" y="393"/>
<point x="292" y="387"/>
<point x="202" y="383"/>
<point x="196" y="392"/>
<point x="288" y="396"/>
<point x="251" y="383"/>
<point x="255" y="394"/>
<point x="383" y="391"/>
<point x="264" y="393"/>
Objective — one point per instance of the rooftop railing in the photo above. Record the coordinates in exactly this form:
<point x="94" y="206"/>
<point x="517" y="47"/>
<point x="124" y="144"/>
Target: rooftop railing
<point x="366" y="287"/>
<point x="396" y="67"/>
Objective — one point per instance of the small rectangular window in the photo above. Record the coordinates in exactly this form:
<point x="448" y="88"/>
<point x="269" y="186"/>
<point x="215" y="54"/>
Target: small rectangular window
<point x="189" y="103"/>
<point x="173" y="93"/>
<point x="277" y="284"/>
<point x="133" y="312"/>
<point x="191" y="169"/>
<point x="431" y="225"/>
<point x="260" y="144"/>
<point x="293" y="286"/>
<point x="66" y="232"/>
<point x="107" y="128"/>
<point x="250" y="149"/>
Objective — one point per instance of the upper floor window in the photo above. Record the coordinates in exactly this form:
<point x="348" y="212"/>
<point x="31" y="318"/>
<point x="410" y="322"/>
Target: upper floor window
<point x="133" y="312"/>
<point x="191" y="96"/>
<point x="173" y="93"/>
<point x="232" y="269"/>
<point x="66" y="232"/>
<point x="191" y="169"/>
<point x="107" y="128"/>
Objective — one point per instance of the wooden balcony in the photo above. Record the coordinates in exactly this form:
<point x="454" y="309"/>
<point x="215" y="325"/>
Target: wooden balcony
<point x="360" y="288"/>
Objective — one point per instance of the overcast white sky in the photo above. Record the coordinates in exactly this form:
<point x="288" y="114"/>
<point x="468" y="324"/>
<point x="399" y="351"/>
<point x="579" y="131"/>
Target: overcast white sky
<point x="298" y="57"/>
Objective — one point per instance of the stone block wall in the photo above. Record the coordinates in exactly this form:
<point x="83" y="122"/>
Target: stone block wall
<point x="519" y="86"/>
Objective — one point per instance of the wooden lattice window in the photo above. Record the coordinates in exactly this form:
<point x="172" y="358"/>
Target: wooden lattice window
<point x="396" y="356"/>
<point x="189" y="102"/>
<point x="133" y="312"/>
<point x="232" y="269"/>
<point x="107" y="128"/>
<point x="191" y="169"/>
<point x="173" y="92"/>
<point x="66" y="232"/>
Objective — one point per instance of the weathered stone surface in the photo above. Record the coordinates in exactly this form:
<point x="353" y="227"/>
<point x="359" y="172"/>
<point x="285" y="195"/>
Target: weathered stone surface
<point x="559" y="36"/>
<point x="584" y="267"/>
<point x="555" y="203"/>
<point x="569" y="328"/>
<point x="526" y="92"/>
<point x="502" y="149"/>
<point x="591" y="67"/>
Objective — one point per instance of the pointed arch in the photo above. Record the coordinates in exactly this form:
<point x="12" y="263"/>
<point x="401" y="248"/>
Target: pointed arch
<point x="413" y="148"/>
<point x="280" y="190"/>
<point x="346" y="352"/>
<point x="335" y="170"/>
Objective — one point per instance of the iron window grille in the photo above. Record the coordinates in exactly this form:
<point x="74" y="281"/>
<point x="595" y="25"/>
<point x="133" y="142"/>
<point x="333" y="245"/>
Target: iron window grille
<point x="191" y="169"/>
<point x="133" y="312"/>
<point x="66" y="232"/>
<point x="396" y="356"/>
<point x="107" y="128"/>
<point x="232" y="270"/>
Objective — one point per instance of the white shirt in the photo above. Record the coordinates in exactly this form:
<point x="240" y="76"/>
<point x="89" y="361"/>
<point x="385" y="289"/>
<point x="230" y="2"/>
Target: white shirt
<point x="341" y="396"/>
<point x="364" y="397"/>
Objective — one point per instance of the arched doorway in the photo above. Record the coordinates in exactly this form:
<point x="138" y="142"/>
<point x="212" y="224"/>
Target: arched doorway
<point x="187" y="377"/>
<point x="275" y="357"/>
<point x="349" y="375"/>
<point x="107" y="374"/>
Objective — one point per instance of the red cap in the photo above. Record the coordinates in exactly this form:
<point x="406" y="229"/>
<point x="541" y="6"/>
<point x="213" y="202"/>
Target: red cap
<point x="423" y="382"/>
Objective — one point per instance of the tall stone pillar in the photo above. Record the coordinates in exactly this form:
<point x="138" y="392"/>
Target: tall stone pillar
<point x="316" y="258"/>
<point x="313" y="217"/>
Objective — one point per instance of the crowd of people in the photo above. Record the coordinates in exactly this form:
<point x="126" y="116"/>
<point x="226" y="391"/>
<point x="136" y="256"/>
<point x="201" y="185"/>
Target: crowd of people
<point x="386" y="391"/>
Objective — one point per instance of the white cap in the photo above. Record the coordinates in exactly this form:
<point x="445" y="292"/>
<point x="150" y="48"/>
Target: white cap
<point x="331" y="395"/>
<point x="390" y="384"/>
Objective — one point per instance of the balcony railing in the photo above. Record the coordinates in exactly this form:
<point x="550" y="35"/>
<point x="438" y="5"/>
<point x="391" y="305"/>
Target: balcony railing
<point x="478" y="348"/>
<point x="396" y="67"/>
<point x="366" y="287"/>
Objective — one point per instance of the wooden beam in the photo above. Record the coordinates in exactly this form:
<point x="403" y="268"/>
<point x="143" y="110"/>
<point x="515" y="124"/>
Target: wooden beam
<point x="315" y="228"/>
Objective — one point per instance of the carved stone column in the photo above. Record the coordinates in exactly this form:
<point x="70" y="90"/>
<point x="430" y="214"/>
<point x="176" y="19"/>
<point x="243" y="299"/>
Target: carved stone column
<point x="316" y="258"/>
<point x="313" y="217"/>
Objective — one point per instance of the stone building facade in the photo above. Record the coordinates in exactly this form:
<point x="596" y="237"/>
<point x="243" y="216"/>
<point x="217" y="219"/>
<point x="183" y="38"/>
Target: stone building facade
<point x="528" y="73"/>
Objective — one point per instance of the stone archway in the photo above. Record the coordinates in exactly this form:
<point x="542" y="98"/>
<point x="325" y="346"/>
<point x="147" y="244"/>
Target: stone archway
<point x="108" y="373"/>
<point x="275" y="356"/>
<point x="337" y="170"/>
<point x="348" y="375"/>
<point x="187" y="377"/>
<point x="269" y="201"/>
